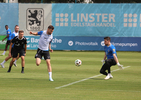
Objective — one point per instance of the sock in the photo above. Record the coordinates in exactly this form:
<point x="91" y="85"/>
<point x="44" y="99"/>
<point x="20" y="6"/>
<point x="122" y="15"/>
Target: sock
<point x="22" y="68"/>
<point x="3" y="62"/>
<point x="9" y="69"/>
<point x="50" y="74"/>
<point x="15" y="61"/>
<point x="4" y="52"/>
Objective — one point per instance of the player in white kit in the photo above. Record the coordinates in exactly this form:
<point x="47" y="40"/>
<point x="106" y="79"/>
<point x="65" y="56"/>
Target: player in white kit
<point x="44" y="47"/>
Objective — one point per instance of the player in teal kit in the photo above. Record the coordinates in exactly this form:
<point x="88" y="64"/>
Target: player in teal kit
<point x="111" y="55"/>
<point x="8" y="32"/>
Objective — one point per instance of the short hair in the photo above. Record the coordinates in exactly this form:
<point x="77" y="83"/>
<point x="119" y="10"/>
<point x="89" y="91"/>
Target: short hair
<point x="107" y="38"/>
<point x="21" y="31"/>
<point x="6" y="25"/>
<point x="51" y="27"/>
<point x="16" y="25"/>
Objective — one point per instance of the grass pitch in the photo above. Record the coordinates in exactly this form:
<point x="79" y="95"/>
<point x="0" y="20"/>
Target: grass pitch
<point x="34" y="84"/>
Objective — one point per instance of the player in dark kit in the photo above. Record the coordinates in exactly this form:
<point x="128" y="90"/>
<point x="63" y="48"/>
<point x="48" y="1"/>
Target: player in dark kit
<point x="20" y="45"/>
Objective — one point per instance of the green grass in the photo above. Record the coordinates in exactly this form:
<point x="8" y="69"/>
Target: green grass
<point x="34" y="84"/>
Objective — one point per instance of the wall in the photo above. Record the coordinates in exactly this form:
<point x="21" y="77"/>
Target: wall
<point x="80" y="26"/>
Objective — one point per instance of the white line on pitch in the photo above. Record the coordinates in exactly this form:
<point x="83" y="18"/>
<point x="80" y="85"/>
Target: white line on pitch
<point x="85" y="79"/>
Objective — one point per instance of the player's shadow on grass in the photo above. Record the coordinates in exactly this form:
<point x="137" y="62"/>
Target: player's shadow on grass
<point x="97" y="78"/>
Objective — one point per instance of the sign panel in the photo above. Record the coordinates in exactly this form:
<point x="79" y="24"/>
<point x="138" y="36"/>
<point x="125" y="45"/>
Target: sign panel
<point x="34" y="17"/>
<point x="87" y="43"/>
<point x="114" y="20"/>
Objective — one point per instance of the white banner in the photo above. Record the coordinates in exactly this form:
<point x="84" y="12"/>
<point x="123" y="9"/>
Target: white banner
<point x="34" y="17"/>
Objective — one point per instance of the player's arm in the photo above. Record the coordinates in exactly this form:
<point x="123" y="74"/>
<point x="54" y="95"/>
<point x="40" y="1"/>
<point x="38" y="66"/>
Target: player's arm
<point x="116" y="59"/>
<point x="105" y="56"/>
<point x="10" y="49"/>
<point x="5" y="37"/>
<point x="35" y="33"/>
<point x="25" y="48"/>
<point x="103" y="61"/>
<point x="50" y="48"/>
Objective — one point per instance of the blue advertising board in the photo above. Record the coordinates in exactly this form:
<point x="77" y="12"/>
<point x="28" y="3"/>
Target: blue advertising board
<point x="87" y="43"/>
<point x="114" y="20"/>
<point x="9" y="15"/>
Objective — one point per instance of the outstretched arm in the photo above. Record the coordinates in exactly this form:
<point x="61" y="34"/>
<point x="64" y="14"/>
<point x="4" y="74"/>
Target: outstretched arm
<point x="5" y="37"/>
<point x="36" y="33"/>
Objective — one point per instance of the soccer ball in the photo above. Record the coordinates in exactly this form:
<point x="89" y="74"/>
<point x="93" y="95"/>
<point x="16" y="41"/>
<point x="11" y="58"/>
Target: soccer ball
<point x="78" y="62"/>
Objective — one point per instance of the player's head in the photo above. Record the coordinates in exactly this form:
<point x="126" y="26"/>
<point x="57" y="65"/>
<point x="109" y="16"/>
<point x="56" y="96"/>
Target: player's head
<point x="107" y="41"/>
<point x="16" y="28"/>
<point x="6" y="27"/>
<point x="50" y="29"/>
<point x="21" y="34"/>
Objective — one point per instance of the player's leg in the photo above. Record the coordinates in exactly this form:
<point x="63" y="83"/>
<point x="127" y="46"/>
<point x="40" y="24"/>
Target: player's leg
<point x="108" y="63"/>
<point x="14" y="55"/>
<point x="22" y="64"/>
<point x="6" y="46"/>
<point x="38" y="57"/>
<point x="11" y="64"/>
<point x="16" y="61"/>
<point x="6" y="59"/>
<point x="49" y="69"/>
<point x="38" y="61"/>
<point x="103" y="70"/>
<point x="47" y="58"/>
<point x="22" y="55"/>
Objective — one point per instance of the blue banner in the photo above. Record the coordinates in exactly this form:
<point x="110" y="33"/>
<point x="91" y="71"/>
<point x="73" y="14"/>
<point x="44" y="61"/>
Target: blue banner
<point x="87" y="43"/>
<point x="114" y="20"/>
<point x="9" y="15"/>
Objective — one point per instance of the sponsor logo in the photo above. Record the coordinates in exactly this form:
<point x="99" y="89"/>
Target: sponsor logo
<point x="28" y="41"/>
<point x="4" y="42"/>
<point x="102" y="43"/>
<point x="35" y="19"/>
<point x="130" y="20"/>
<point x="61" y="19"/>
<point x="125" y="44"/>
<point x="55" y="40"/>
<point x="86" y="43"/>
<point x="94" y="20"/>
<point x="70" y="43"/>
<point x="85" y="19"/>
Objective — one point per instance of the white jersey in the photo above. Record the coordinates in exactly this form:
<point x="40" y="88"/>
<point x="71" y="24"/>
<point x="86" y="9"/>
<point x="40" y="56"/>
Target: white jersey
<point x="14" y="34"/>
<point x="44" y="40"/>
